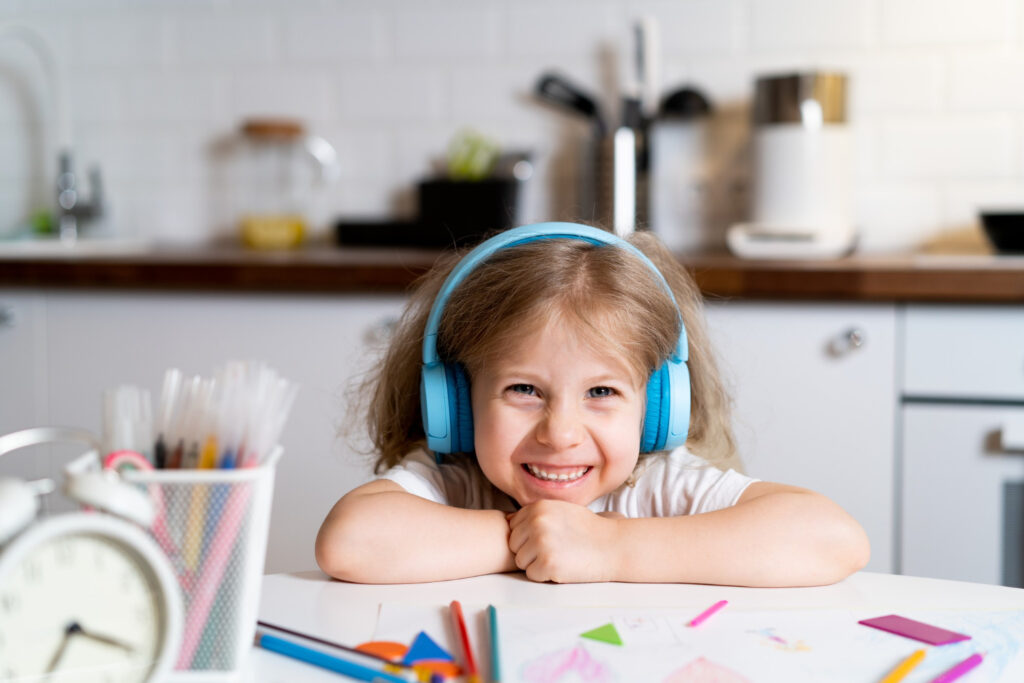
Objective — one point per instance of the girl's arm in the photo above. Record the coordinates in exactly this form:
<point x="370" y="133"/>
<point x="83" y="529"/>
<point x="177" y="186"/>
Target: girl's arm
<point x="380" y="533"/>
<point x="775" y="535"/>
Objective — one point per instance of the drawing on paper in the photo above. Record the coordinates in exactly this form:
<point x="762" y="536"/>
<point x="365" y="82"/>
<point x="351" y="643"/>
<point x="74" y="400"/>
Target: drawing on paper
<point x="702" y="670"/>
<point x="575" y="664"/>
<point x="770" y="638"/>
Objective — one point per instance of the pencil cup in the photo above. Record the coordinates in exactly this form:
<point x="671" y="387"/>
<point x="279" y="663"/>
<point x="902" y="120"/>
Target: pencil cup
<point x="212" y="524"/>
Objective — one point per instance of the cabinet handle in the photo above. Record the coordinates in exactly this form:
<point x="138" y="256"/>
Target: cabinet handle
<point x="6" y="317"/>
<point x="847" y="342"/>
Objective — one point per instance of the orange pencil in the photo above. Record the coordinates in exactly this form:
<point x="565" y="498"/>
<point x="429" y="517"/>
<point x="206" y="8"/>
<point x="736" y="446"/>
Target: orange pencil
<point x="459" y="624"/>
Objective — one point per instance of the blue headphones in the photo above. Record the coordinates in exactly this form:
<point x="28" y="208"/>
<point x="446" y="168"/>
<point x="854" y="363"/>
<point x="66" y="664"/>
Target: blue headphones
<point x="444" y="388"/>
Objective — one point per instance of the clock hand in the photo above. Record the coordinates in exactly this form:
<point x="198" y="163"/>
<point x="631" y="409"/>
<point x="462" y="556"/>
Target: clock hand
<point x="105" y="639"/>
<point x="70" y="630"/>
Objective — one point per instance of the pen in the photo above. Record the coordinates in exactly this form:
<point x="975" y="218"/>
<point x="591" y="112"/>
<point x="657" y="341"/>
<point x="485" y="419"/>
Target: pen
<point x="958" y="670"/>
<point x="460" y="628"/>
<point x="904" y="667"/>
<point x="324" y="660"/>
<point x="703" y="616"/>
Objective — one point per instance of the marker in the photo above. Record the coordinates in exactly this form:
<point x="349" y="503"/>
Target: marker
<point x="703" y="616"/>
<point x="492" y="621"/>
<point x="323" y="660"/>
<point x="460" y="628"/>
<point x="904" y="667"/>
<point x="959" y="670"/>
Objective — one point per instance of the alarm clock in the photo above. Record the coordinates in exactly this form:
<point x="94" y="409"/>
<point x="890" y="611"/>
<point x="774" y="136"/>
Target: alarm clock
<point x="85" y="595"/>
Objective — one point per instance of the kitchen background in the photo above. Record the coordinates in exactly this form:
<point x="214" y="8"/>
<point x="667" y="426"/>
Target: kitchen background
<point x="936" y="104"/>
<point x="910" y="402"/>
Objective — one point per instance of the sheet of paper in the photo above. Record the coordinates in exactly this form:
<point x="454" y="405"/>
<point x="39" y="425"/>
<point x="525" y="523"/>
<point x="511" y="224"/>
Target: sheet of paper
<point x="545" y="645"/>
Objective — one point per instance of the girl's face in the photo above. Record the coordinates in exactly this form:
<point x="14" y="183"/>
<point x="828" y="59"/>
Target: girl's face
<point x="553" y="419"/>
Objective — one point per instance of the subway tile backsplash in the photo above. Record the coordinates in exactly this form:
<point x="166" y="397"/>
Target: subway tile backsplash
<point x="936" y="95"/>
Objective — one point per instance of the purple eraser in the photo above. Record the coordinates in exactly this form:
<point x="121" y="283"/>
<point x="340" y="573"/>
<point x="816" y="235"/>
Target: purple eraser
<point x="908" y="628"/>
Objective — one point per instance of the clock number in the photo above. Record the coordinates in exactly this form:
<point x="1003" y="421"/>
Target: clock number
<point x="9" y="603"/>
<point x="64" y="552"/>
<point x="32" y="570"/>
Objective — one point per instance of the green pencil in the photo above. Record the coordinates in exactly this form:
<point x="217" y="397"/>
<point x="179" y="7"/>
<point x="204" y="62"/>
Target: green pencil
<point x="492" y="621"/>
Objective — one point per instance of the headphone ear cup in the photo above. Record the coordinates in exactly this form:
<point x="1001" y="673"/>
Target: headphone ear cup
<point x="462" y="412"/>
<point x="652" y="436"/>
<point x="436" y="407"/>
<point x="676" y="404"/>
<point x="667" y="416"/>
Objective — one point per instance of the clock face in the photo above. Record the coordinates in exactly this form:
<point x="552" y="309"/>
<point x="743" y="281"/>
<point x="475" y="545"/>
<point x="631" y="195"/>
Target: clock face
<point x="80" y="606"/>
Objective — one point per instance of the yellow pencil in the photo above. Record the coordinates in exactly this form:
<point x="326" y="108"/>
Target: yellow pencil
<point x="198" y="508"/>
<point x="904" y="667"/>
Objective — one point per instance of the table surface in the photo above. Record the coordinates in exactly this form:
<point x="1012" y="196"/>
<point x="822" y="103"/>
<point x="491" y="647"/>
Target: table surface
<point x="347" y="613"/>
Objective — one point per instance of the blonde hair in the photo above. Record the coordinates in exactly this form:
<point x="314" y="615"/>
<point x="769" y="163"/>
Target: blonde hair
<point x="607" y="293"/>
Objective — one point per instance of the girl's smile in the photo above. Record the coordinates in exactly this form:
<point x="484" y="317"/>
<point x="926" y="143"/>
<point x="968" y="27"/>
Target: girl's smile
<point x="554" y="418"/>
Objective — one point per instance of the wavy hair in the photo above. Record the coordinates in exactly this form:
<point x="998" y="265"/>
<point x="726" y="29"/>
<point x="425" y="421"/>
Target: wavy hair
<point x="611" y="297"/>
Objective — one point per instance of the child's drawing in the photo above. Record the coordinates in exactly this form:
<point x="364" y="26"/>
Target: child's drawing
<point x="768" y="637"/>
<point x="701" y="670"/>
<point x="574" y="664"/>
<point x="544" y="644"/>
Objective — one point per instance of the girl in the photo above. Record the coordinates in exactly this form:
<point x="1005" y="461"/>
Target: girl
<point x="531" y="414"/>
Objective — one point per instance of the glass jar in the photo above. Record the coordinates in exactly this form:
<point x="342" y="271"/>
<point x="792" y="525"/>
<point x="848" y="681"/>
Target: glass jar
<point x="279" y="169"/>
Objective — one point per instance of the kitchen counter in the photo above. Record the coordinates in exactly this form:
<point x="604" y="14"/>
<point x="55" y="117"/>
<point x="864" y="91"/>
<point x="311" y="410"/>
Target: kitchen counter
<point x="906" y="277"/>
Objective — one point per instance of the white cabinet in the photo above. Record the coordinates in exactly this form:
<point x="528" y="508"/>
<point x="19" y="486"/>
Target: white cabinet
<point x="22" y="378"/>
<point x="812" y="407"/>
<point x="99" y="340"/>
<point x="962" y="450"/>
<point x="962" y="502"/>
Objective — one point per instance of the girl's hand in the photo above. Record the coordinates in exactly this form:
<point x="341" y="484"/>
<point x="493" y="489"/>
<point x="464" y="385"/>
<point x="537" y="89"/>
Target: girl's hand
<point x="564" y="542"/>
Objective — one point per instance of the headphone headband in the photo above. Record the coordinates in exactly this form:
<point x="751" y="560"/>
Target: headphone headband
<point x="522" y="235"/>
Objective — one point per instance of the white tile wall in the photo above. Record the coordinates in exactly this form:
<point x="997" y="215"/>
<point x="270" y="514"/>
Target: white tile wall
<point x="937" y="94"/>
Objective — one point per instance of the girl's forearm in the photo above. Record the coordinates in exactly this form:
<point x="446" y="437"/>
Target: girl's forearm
<point x="396" y="537"/>
<point x="782" y="539"/>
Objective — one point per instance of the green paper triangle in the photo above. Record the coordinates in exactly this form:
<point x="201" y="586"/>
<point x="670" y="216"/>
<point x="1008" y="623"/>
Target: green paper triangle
<point x="605" y="634"/>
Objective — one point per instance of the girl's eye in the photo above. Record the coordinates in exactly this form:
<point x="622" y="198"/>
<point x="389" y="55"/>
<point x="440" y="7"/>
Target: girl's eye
<point x="601" y="392"/>
<point x="526" y="389"/>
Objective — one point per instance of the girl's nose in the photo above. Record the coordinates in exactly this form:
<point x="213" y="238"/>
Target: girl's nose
<point x="561" y="428"/>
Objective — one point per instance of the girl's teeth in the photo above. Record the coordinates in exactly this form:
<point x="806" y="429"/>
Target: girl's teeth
<point x="564" y="476"/>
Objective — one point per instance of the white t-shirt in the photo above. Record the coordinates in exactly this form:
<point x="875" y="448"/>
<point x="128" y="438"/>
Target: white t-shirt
<point x="667" y="485"/>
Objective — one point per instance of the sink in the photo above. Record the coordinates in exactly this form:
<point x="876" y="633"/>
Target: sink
<point x="55" y="248"/>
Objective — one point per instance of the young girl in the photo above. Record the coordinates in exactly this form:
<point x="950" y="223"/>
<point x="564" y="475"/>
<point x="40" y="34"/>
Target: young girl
<point x="531" y="414"/>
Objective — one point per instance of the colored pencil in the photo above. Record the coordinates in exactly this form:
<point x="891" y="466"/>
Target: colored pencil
<point x="904" y="667"/>
<point x="460" y="628"/>
<point x="959" y="670"/>
<point x="492" y="621"/>
<point x="332" y="644"/>
<point x="703" y="616"/>
<point x="323" y="660"/>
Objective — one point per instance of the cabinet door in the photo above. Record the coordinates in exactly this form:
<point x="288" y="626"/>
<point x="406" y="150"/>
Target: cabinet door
<point x="98" y="341"/>
<point x="962" y="513"/>
<point x="22" y="379"/>
<point x="815" y="402"/>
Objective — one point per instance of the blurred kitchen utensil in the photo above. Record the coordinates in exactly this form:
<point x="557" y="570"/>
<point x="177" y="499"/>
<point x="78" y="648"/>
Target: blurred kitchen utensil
<point x="685" y="103"/>
<point x="1005" y="229"/>
<point x="679" y="181"/>
<point x="558" y="90"/>
<point x="278" y="169"/>
<point x="802" y="204"/>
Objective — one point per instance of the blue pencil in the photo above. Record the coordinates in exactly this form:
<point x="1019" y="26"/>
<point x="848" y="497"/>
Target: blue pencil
<point x="323" y="660"/>
<point x="492" y="621"/>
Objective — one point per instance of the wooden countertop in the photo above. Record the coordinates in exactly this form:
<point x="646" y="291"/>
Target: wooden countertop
<point x="949" y="278"/>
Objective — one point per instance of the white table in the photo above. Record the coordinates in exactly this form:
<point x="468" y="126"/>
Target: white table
<point x="347" y="613"/>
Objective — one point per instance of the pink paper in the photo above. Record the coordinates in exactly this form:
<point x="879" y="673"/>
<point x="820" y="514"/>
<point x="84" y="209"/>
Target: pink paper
<point x="908" y="628"/>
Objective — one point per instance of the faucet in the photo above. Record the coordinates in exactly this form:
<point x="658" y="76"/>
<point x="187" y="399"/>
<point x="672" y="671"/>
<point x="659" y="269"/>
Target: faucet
<point x="73" y="210"/>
